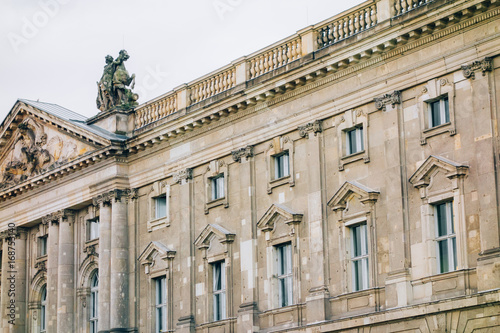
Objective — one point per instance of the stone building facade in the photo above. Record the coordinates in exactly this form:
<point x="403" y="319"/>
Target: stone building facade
<point x="344" y="179"/>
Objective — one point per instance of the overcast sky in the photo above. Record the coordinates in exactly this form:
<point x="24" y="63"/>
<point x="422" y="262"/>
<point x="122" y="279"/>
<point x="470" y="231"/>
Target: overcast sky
<point x="53" y="50"/>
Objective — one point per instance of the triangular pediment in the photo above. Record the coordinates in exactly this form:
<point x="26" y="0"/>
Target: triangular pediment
<point x="421" y="177"/>
<point x="211" y="231"/>
<point x="38" y="137"/>
<point x="349" y="188"/>
<point x="154" y="249"/>
<point x="267" y="221"/>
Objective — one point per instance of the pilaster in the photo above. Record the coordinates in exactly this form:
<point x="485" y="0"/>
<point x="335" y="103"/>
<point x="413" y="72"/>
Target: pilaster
<point x="52" y="269"/>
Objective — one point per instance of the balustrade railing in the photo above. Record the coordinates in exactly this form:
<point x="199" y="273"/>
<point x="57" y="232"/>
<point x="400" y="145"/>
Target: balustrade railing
<point x="403" y="6"/>
<point x="149" y="113"/>
<point x="347" y="25"/>
<point x="274" y="58"/>
<point x="215" y="85"/>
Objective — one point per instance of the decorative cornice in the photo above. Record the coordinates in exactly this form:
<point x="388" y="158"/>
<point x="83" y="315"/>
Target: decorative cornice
<point x="314" y="127"/>
<point x="242" y="152"/>
<point x="393" y="99"/>
<point x="183" y="175"/>
<point x="485" y="65"/>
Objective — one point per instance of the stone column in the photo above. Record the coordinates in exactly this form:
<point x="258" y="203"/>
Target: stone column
<point x="185" y="323"/>
<point x="52" y="270"/>
<point x="134" y="267"/>
<point x="65" y="272"/>
<point x="119" y="263"/>
<point x="248" y="320"/>
<point x="104" y="203"/>
<point x="13" y="292"/>
<point x="317" y="301"/>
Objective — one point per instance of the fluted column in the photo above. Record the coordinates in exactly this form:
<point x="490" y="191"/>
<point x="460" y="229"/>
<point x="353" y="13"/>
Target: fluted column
<point x="65" y="272"/>
<point x="104" y="204"/>
<point x="119" y="262"/>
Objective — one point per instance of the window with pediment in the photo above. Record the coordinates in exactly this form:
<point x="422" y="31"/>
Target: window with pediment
<point x="215" y="242"/>
<point x="355" y="212"/>
<point x="440" y="183"/>
<point x="280" y="229"/>
<point x="157" y="260"/>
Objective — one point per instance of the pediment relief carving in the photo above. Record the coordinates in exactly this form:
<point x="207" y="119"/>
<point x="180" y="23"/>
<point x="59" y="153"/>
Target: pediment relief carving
<point x="34" y="148"/>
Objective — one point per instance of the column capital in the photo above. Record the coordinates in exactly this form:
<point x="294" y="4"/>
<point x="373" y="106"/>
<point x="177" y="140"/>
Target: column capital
<point x="182" y="175"/>
<point x="392" y="98"/>
<point x="59" y="216"/>
<point x="484" y="65"/>
<point x="242" y="152"/>
<point x="314" y="127"/>
<point x="115" y="195"/>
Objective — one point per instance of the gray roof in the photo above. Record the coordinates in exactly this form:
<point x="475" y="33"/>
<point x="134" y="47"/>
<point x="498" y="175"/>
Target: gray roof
<point x="74" y="118"/>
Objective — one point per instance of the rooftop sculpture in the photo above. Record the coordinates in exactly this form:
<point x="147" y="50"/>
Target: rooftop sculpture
<point x="112" y="89"/>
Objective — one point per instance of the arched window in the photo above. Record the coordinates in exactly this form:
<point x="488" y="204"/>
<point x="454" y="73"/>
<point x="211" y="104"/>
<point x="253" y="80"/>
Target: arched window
<point x="43" y="310"/>
<point x="94" y="310"/>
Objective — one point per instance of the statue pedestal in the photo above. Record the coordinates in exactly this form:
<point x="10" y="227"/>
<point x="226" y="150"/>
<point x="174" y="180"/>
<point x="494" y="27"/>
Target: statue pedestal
<point x="116" y="120"/>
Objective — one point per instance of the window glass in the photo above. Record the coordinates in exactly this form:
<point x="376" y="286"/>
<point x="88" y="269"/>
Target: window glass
<point x="94" y="301"/>
<point x="281" y="165"/>
<point x="439" y="112"/>
<point x="359" y="247"/>
<point x="284" y="274"/>
<point x="219" y="290"/>
<point x="160" y="304"/>
<point x="354" y="140"/>
<point x="43" y="310"/>
<point x="93" y="229"/>
<point x="160" y="206"/>
<point x="217" y="187"/>
<point x="445" y="237"/>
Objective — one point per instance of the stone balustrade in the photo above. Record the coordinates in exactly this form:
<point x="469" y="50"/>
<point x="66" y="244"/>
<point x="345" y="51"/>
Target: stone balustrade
<point x="212" y="86"/>
<point x="326" y="33"/>
<point x="347" y="25"/>
<point x="403" y="6"/>
<point x="274" y="58"/>
<point x="151" y="112"/>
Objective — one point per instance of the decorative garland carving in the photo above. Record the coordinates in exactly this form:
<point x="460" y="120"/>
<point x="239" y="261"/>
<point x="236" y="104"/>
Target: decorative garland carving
<point x="485" y="65"/>
<point x="314" y="127"/>
<point x="393" y="99"/>
<point x="242" y="152"/>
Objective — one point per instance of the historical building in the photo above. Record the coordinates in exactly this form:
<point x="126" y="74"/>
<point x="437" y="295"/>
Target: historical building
<point x="344" y="179"/>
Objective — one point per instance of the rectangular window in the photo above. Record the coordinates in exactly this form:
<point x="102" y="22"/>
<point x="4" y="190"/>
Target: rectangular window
<point x="43" y="246"/>
<point x="284" y="274"/>
<point x="281" y="165"/>
<point x="359" y="259"/>
<point x="219" y="290"/>
<point x="439" y="113"/>
<point x="160" y="284"/>
<point x="354" y="140"/>
<point x="160" y="206"/>
<point x="445" y="238"/>
<point x="217" y="184"/>
<point x="93" y="229"/>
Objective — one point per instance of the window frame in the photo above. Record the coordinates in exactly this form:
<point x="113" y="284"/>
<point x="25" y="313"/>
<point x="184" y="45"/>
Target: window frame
<point x="159" y="189"/>
<point x="358" y="131"/>
<point x="94" y="302"/>
<point x="157" y="200"/>
<point x="281" y="165"/>
<point x="219" y="296"/>
<point x="284" y="273"/>
<point x="43" y="309"/>
<point x="443" y="111"/>
<point x="352" y="120"/>
<point x="217" y="187"/>
<point x="43" y="246"/>
<point x="217" y="170"/>
<point x="90" y="223"/>
<point x="278" y="147"/>
<point x="363" y="258"/>
<point x="161" y="303"/>
<point x="449" y="238"/>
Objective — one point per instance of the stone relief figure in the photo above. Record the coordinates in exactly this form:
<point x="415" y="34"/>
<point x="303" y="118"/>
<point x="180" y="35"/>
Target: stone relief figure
<point x="32" y="154"/>
<point x="113" y="88"/>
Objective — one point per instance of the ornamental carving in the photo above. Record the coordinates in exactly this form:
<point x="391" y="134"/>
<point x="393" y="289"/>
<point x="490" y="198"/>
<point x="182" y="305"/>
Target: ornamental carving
<point x="314" y="127"/>
<point x="116" y="195"/>
<point x="485" y="65"/>
<point x="183" y="175"/>
<point x="392" y="99"/>
<point x="91" y="251"/>
<point x="242" y="152"/>
<point x="57" y="216"/>
<point x="35" y="149"/>
<point x="41" y="266"/>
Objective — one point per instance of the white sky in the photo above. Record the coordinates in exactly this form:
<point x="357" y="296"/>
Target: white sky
<point x="53" y="50"/>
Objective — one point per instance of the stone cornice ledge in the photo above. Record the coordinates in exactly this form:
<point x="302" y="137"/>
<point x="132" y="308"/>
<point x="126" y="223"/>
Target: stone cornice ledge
<point x="329" y="71"/>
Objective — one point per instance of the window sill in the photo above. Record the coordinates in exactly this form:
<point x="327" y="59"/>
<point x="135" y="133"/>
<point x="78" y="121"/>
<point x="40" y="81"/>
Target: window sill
<point x="436" y="130"/>
<point x="280" y="181"/>
<point x="360" y="155"/>
<point x="215" y="203"/>
<point x="159" y="223"/>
